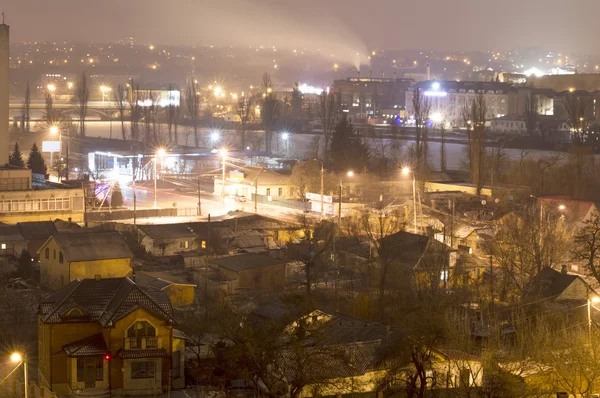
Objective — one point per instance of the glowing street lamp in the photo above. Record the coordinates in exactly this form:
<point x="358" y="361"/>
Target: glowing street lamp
<point x="217" y="91"/>
<point x="406" y="172"/>
<point x="437" y="117"/>
<point x="215" y="137"/>
<point x="348" y="174"/>
<point x="19" y="359"/>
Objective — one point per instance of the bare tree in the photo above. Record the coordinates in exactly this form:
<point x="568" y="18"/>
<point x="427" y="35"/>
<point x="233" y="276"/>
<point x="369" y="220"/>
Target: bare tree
<point x="244" y="109"/>
<point x="587" y="246"/>
<point x="270" y="111"/>
<point x="170" y="115"/>
<point x="443" y="146"/>
<point x="120" y="97"/>
<point x="192" y="101"/>
<point x="421" y="107"/>
<point x="135" y="109"/>
<point x="83" y="96"/>
<point x="328" y="112"/>
<point x="531" y="113"/>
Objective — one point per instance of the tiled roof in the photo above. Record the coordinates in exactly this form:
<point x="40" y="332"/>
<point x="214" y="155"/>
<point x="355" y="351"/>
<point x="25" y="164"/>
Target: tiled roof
<point x="104" y="301"/>
<point x="37" y="230"/>
<point x="169" y="231"/>
<point x="93" y="246"/>
<point x="10" y="233"/>
<point x="87" y="347"/>
<point x="137" y="354"/>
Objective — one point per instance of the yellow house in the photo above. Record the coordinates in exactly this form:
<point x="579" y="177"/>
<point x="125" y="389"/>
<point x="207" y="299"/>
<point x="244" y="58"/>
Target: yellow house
<point x="180" y="292"/>
<point x="70" y="256"/>
<point x="98" y="336"/>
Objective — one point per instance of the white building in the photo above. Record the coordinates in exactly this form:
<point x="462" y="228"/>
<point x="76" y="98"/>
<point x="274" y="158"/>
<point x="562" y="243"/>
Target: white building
<point x="449" y="99"/>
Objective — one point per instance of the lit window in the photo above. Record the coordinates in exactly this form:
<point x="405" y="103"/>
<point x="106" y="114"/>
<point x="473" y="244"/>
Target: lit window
<point x="4" y="246"/>
<point x="204" y="244"/>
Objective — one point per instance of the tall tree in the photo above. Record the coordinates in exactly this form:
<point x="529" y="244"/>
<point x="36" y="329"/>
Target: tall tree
<point x="348" y="150"/>
<point x="421" y="106"/>
<point x="51" y="116"/>
<point x="328" y="111"/>
<point x="531" y="113"/>
<point x="135" y="109"/>
<point x="192" y="101"/>
<point x="83" y="97"/>
<point x="120" y="97"/>
<point x="116" y="197"/>
<point x="296" y="102"/>
<point x="443" y="145"/>
<point x="474" y="116"/>
<point x="27" y="106"/>
<point x="270" y="110"/>
<point x="587" y="246"/>
<point x="16" y="158"/>
<point x="244" y="109"/>
<point x="171" y="115"/>
<point x="36" y="162"/>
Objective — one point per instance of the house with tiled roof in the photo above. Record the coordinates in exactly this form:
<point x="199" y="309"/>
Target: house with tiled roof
<point x="108" y="336"/>
<point x="67" y="257"/>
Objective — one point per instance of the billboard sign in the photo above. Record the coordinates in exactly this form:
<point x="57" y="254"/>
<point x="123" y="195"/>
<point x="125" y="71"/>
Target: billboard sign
<point x="50" y="146"/>
<point x="315" y="197"/>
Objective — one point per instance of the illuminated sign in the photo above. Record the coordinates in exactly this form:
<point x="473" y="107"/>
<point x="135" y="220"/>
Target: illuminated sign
<point x="50" y="146"/>
<point x="435" y="93"/>
<point x="162" y="98"/>
<point x="306" y="89"/>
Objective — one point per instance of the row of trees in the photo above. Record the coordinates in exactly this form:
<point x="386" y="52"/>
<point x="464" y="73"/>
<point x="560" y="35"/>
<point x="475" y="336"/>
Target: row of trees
<point x="35" y="161"/>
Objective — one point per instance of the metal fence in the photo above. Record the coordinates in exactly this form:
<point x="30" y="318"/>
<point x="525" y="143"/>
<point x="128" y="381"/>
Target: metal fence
<point x="101" y="216"/>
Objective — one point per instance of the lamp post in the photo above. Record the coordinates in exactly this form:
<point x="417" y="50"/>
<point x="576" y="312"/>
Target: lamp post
<point x="406" y="171"/>
<point x="161" y="153"/>
<point x="322" y="188"/>
<point x="223" y="153"/>
<point x="22" y="359"/>
<point x="349" y="174"/>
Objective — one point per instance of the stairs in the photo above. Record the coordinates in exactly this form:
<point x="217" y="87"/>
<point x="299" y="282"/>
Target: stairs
<point x="91" y="393"/>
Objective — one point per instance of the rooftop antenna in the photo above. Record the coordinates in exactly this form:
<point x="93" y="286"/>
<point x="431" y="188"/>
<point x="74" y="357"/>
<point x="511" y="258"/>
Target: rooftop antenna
<point x="3" y="16"/>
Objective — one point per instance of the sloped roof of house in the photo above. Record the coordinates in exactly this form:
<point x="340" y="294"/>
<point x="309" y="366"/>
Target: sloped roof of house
<point x="37" y="230"/>
<point x="102" y="300"/>
<point x="65" y="225"/>
<point x="245" y="262"/>
<point x="409" y="249"/>
<point x="552" y="283"/>
<point x="169" y="231"/>
<point x="87" y="347"/>
<point x="10" y="233"/>
<point x="92" y="246"/>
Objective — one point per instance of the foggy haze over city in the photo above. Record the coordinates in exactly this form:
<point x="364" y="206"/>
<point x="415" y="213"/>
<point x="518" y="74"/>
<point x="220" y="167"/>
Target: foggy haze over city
<point x="382" y="24"/>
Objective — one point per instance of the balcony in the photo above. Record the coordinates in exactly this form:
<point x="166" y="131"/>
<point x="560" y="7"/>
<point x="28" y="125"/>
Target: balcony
<point x="141" y="343"/>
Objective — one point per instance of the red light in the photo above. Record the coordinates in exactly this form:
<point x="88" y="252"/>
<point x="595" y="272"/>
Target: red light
<point x="107" y="357"/>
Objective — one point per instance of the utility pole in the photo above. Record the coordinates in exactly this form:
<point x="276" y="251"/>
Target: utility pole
<point x="322" y="188"/>
<point x="256" y="190"/>
<point x="155" y="169"/>
<point x="199" y="199"/>
<point x="67" y="153"/>
<point x="134" y="207"/>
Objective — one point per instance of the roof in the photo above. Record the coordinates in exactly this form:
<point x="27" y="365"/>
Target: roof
<point x="245" y="262"/>
<point x="10" y="233"/>
<point x="87" y="347"/>
<point x="148" y="353"/>
<point x="265" y="176"/>
<point x="168" y="231"/>
<point x="247" y="242"/>
<point x="104" y="301"/>
<point x="65" y="225"/>
<point x="37" y="230"/>
<point x="92" y="246"/>
<point x="464" y="231"/>
<point x="409" y="249"/>
<point x="552" y="283"/>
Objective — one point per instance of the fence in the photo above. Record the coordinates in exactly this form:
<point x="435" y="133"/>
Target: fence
<point x="13" y="388"/>
<point x="101" y="216"/>
<point x="281" y="202"/>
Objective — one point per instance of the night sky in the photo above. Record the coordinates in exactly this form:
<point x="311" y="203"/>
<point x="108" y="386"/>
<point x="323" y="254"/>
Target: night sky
<point x="358" y="24"/>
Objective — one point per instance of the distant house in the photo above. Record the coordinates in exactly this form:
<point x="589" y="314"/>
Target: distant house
<point x="101" y="335"/>
<point x="249" y="273"/>
<point x="11" y="243"/>
<point x="180" y="292"/>
<point x="266" y="183"/>
<point x="36" y="233"/>
<point x="558" y="286"/>
<point x="171" y="239"/>
<point x="67" y="257"/>
<point x="575" y="211"/>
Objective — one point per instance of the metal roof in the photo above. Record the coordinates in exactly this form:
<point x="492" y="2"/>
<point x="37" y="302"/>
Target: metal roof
<point x="93" y="246"/>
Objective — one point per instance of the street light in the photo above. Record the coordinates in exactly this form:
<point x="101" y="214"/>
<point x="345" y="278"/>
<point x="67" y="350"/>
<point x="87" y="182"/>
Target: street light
<point x="51" y="88"/>
<point x="406" y="171"/>
<point x="160" y="152"/>
<point x="349" y="174"/>
<point x="105" y="90"/>
<point x="21" y="359"/>
<point x="223" y="153"/>
<point x="215" y="137"/>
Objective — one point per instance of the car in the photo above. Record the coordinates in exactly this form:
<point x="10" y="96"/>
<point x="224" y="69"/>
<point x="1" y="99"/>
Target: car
<point x="240" y="198"/>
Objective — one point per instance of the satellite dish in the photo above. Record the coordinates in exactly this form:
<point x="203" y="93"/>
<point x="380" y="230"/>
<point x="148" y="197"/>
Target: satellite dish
<point x="484" y="202"/>
<point x="496" y="200"/>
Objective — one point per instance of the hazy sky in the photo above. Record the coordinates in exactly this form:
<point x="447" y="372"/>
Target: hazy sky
<point x="360" y="24"/>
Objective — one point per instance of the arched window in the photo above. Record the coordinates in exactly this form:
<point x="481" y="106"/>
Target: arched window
<point x="75" y="312"/>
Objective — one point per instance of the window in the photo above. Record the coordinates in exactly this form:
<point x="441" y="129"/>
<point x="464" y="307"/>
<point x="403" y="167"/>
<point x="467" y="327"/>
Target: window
<point x="268" y="191"/>
<point x="141" y="329"/>
<point x="142" y="370"/>
<point x="47" y="253"/>
<point x="203" y="244"/>
<point x="54" y="254"/>
<point x="176" y="364"/>
<point x="90" y="362"/>
<point x="4" y="246"/>
<point x="280" y="193"/>
<point x="60" y="257"/>
<point x="184" y="245"/>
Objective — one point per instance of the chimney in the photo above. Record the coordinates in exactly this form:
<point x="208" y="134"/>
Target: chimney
<point x="563" y="269"/>
<point x="428" y="72"/>
<point x="97" y="277"/>
<point x="4" y="85"/>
